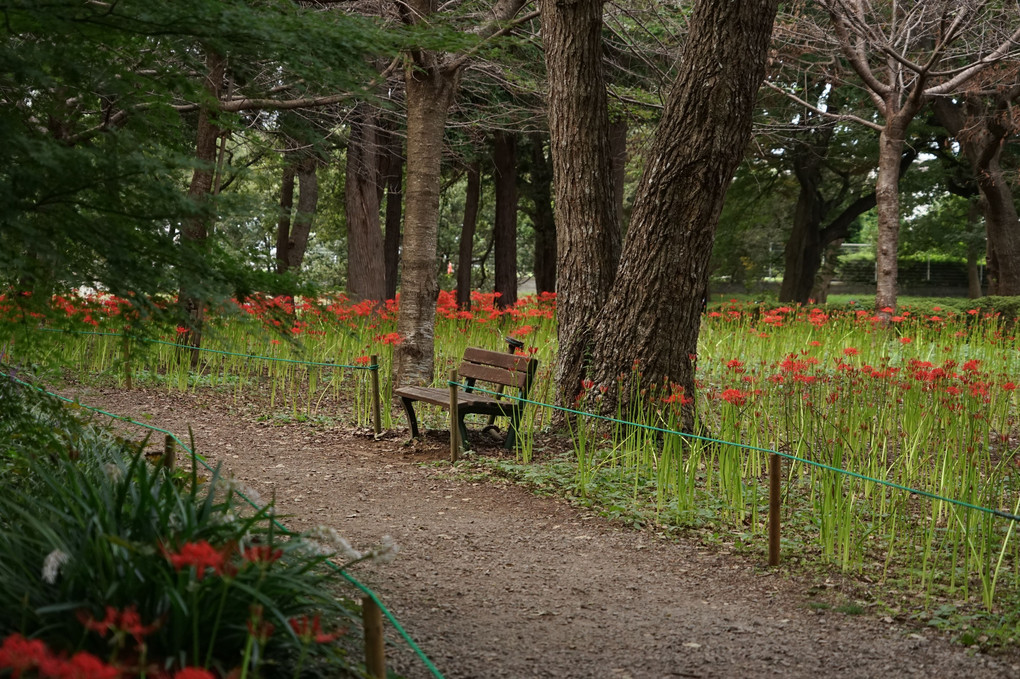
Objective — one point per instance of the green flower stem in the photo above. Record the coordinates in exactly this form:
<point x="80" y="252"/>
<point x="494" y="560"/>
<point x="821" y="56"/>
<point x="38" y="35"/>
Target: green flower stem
<point x="216" y="624"/>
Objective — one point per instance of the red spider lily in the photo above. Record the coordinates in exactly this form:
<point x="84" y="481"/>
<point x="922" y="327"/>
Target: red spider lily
<point x="972" y="365"/>
<point x="199" y="554"/>
<point x="309" y="630"/>
<point x="126" y="622"/>
<point x="587" y="384"/>
<point x="851" y="351"/>
<point x="262" y="554"/>
<point x="735" y="365"/>
<point x="734" y="396"/>
<point x="390" y="338"/>
<point x="181" y="330"/>
<point x="258" y="627"/>
<point x="22" y="655"/>
<point x="193" y="673"/>
<point x="1009" y="386"/>
<point x="905" y="340"/>
<point x="362" y="360"/>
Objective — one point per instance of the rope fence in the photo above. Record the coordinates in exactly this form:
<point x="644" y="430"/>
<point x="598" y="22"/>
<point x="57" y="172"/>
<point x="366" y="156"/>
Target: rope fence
<point x="775" y="467"/>
<point x="372" y="606"/>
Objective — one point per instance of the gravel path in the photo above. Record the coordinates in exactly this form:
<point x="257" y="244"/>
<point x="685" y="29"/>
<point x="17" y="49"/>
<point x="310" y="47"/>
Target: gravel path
<point x="493" y="581"/>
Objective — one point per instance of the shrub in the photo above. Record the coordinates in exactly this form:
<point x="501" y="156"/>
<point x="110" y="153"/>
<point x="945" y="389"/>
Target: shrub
<point x="104" y="554"/>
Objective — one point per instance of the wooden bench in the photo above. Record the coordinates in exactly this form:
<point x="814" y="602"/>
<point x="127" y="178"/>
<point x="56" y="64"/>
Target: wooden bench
<point x="494" y="367"/>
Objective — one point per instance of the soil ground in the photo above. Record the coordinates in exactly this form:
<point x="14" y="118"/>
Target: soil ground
<point x="494" y="581"/>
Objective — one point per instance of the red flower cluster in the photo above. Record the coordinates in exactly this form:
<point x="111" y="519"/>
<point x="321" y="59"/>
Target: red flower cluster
<point x="309" y="630"/>
<point x="21" y="655"/>
<point x="127" y="622"/>
<point x="199" y="554"/>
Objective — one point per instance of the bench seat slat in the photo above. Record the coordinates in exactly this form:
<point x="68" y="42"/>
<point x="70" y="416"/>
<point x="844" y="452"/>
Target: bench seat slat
<point x="467" y="402"/>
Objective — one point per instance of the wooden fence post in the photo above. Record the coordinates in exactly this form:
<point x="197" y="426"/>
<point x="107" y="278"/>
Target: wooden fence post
<point x="169" y="459"/>
<point x="775" y="496"/>
<point x="375" y="644"/>
<point x="376" y="415"/>
<point x="454" y="420"/>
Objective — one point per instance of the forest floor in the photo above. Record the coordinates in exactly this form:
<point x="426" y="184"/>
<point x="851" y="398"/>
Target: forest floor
<point x="495" y="581"/>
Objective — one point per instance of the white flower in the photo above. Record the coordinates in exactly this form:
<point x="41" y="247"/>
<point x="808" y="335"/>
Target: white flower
<point x="328" y="542"/>
<point x="387" y="550"/>
<point x="52" y="564"/>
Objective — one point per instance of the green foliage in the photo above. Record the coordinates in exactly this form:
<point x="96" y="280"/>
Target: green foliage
<point x="86" y="524"/>
<point x="97" y="133"/>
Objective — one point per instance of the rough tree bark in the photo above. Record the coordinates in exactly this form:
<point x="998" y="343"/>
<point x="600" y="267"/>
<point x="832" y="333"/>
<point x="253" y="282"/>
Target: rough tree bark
<point x="618" y="156"/>
<point x="504" y="237"/>
<point x="394" y="181"/>
<point x="653" y="314"/>
<point x="366" y="265"/>
<point x="295" y="226"/>
<point x="587" y="226"/>
<point x="467" y="236"/>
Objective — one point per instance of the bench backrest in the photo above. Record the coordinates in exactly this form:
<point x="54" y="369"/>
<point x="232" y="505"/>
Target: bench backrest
<point x="497" y="367"/>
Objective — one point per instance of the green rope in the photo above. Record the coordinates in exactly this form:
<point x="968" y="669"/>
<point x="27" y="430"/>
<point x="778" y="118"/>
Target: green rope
<point x="212" y="351"/>
<point x="996" y="512"/>
<point x="276" y="523"/>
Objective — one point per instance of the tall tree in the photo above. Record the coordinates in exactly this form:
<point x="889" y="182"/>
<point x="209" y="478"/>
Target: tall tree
<point x="393" y="178"/>
<point x="587" y="224"/>
<point x="472" y="194"/>
<point x="431" y="80"/>
<point x="504" y="155"/>
<point x="652" y="314"/>
<point x="537" y="190"/>
<point x="906" y="53"/>
<point x="980" y="121"/>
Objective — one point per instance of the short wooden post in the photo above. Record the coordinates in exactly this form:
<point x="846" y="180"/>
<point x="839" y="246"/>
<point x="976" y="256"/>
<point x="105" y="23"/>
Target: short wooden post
<point x="373" y="363"/>
<point x="375" y="644"/>
<point x="454" y="420"/>
<point x="126" y="352"/>
<point x="775" y="495"/>
<point x="169" y="459"/>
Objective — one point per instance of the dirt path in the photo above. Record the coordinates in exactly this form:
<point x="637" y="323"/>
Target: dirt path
<point x="492" y="581"/>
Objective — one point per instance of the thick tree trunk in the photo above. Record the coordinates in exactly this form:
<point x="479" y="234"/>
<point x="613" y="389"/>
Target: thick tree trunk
<point x="430" y="92"/>
<point x="588" y="230"/>
<point x="286" y="214"/>
<point x="467" y="236"/>
<point x="366" y="266"/>
<point x="826" y="272"/>
<point x="195" y="230"/>
<point x="504" y="235"/>
<point x="650" y="324"/>
<point x="394" y="179"/>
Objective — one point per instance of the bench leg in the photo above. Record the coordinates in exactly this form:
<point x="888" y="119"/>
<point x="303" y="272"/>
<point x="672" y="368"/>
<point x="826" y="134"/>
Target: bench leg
<point x="412" y="419"/>
<point x="511" y="430"/>
<point x="463" y="433"/>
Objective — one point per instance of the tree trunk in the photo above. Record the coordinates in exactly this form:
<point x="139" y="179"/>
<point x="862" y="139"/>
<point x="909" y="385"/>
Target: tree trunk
<point x="803" y="253"/>
<point x="981" y="134"/>
<point x="542" y="219"/>
<point x="286" y="213"/>
<point x="467" y="236"/>
<point x="430" y="92"/>
<point x="588" y="231"/>
<point x="505" y="228"/>
<point x="308" y="204"/>
<point x="618" y="155"/>
<point x="366" y="272"/>
<point x="887" y="202"/>
<point x="650" y="324"/>
<point x="826" y="272"/>
<point x="195" y="230"/>
<point x="394" y="180"/>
